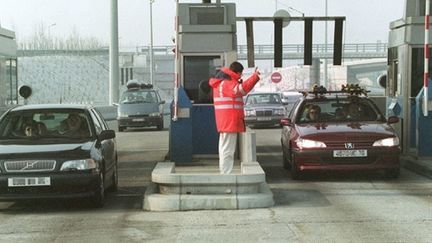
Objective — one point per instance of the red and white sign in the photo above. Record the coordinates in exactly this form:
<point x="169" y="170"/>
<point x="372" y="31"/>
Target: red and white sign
<point x="276" y="77"/>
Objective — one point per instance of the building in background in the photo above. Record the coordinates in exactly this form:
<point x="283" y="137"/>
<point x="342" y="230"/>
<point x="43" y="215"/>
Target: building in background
<point x="8" y="68"/>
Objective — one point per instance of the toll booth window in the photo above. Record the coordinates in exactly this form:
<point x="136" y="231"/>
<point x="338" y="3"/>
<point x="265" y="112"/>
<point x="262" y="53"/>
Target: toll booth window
<point x="417" y="70"/>
<point x="393" y="71"/>
<point x="197" y="71"/>
<point x="207" y="15"/>
<point x="11" y="81"/>
<point x="421" y="8"/>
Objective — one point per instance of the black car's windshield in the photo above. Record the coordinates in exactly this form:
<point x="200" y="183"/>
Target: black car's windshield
<point x="263" y="99"/>
<point x="139" y="96"/>
<point x="45" y="124"/>
<point x="338" y="110"/>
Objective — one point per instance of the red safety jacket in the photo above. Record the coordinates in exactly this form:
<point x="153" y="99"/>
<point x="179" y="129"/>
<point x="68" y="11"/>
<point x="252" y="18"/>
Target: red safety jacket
<point x="228" y="94"/>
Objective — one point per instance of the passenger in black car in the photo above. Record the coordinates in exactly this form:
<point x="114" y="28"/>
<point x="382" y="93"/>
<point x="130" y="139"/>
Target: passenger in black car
<point x="74" y="126"/>
<point x="30" y="130"/>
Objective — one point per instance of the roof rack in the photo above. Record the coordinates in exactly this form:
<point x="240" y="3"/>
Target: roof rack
<point x="132" y="84"/>
<point x="350" y="89"/>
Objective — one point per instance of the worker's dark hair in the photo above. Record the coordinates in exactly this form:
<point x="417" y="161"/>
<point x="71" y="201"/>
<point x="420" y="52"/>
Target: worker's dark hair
<point x="236" y="67"/>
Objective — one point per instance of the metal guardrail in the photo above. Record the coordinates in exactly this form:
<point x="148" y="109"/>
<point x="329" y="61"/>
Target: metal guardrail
<point x="89" y="52"/>
<point x="295" y="51"/>
<point x="290" y="51"/>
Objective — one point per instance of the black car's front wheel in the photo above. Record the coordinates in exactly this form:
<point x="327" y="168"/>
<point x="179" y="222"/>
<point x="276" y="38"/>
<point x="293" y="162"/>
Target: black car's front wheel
<point x="114" y="180"/>
<point x="98" y="199"/>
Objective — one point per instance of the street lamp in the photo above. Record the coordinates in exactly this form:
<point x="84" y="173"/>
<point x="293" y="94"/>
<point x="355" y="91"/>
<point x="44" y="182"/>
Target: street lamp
<point x="50" y="42"/>
<point x="151" y="43"/>
<point x="295" y="10"/>
<point x="325" y="46"/>
<point x="49" y="28"/>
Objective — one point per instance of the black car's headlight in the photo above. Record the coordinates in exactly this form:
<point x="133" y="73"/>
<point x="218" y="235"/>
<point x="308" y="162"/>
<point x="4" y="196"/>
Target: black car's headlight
<point x="387" y="142"/>
<point x="79" y="164"/>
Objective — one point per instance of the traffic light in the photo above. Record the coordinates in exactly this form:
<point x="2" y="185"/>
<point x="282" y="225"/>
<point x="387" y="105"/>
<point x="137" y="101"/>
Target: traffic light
<point x="250" y="43"/>
<point x="337" y="41"/>
<point x="278" y="51"/>
<point x="308" y="28"/>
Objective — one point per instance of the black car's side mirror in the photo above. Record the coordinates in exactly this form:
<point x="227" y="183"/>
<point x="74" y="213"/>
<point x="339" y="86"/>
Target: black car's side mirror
<point x="392" y="120"/>
<point x="286" y="122"/>
<point x="106" y="134"/>
<point x="162" y="102"/>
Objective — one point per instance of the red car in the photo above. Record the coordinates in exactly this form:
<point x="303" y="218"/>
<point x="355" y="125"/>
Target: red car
<point x="339" y="131"/>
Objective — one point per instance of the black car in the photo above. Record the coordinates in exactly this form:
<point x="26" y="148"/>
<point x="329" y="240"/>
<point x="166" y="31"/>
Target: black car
<point x="56" y="151"/>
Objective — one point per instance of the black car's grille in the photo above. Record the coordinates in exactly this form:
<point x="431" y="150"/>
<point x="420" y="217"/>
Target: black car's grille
<point x="264" y="112"/>
<point x="29" y="165"/>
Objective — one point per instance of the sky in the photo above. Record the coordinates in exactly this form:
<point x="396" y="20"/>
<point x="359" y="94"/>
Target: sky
<point x="367" y="21"/>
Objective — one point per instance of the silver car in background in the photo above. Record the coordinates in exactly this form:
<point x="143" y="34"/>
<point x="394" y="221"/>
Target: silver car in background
<point x="264" y="109"/>
<point x="140" y="106"/>
<point x="289" y="98"/>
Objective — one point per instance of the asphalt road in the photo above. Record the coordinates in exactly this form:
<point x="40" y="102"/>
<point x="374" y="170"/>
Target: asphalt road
<point x="322" y="208"/>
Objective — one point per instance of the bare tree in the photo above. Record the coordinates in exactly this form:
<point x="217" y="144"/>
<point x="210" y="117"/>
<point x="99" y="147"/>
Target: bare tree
<point x="42" y="40"/>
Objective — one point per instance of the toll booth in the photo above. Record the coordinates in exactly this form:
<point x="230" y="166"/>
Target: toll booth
<point x="404" y="86"/>
<point x="206" y="41"/>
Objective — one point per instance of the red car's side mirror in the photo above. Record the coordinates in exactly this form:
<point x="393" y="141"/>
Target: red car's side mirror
<point x="286" y="122"/>
<point x="392" y="120"/>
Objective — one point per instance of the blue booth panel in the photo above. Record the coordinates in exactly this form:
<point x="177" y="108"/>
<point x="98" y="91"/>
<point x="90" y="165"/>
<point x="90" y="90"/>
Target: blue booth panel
<point x="204" y="134"/>
<point x="424" y="127"/>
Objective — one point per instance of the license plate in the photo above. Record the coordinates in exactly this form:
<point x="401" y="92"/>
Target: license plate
<point x="29" y="181"/>
<point x="138" y="120"/>
<point x="350" y="153"/>
<point x="264" y="118"/>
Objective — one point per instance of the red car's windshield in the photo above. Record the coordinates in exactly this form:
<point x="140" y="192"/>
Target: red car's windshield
<point x="338" y="110"/>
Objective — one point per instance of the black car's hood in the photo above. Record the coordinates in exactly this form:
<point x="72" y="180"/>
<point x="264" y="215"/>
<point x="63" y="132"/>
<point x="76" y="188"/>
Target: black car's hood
<point x="27" y="149"/>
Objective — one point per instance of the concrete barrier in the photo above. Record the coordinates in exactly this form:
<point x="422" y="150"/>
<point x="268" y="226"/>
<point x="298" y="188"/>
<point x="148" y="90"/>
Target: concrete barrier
<point x="247" y="146"/>
<point x="200" y="190"/>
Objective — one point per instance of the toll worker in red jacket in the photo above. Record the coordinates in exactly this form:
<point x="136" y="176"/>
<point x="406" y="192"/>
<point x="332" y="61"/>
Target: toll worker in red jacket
<point x="228" y="91"/>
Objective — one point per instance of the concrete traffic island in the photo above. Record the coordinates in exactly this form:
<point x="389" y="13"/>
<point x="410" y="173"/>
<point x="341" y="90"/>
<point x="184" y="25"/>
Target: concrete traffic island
<point x="203" y="190"/>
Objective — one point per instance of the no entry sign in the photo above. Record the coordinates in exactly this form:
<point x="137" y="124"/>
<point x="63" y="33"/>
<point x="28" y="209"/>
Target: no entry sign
<point x="276" y="77"/>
